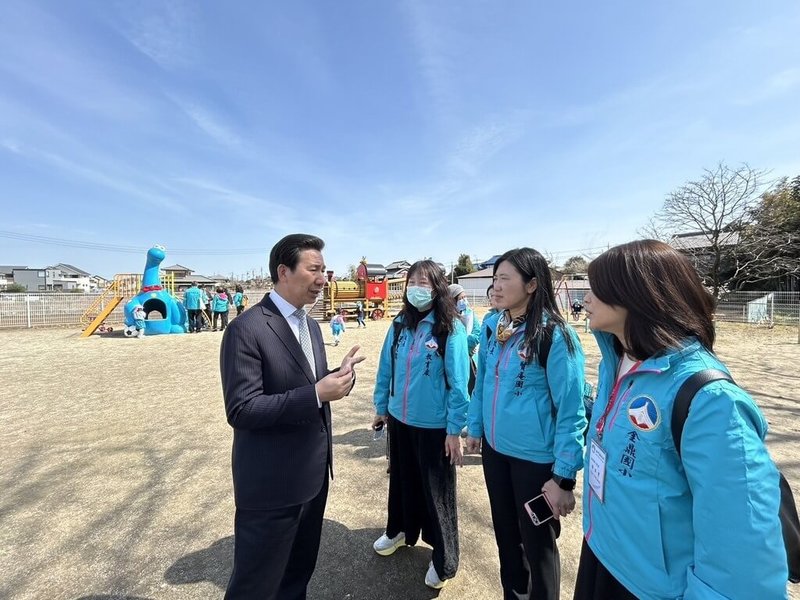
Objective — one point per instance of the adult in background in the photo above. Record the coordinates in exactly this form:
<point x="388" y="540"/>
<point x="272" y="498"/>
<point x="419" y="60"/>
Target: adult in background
<point x="238" y="300"/>
<point x="277" y="390"/>
<point x="209" y="307"/>
<point x="472" y="325"/>
<point x="220" y="305"/>
<point x="700" y="525"/>
<point x="421" y="392"/>
<point x="193" y="301"/>
<point x="527" y="416"/>
<point x="490" y="300"/>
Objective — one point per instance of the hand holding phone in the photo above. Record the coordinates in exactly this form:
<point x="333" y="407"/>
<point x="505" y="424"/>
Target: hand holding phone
<point x="539" y="509"/>
<point x="378" y="429"/>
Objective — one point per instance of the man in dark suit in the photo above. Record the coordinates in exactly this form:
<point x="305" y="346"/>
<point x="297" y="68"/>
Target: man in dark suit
<point x="277" y="391"/>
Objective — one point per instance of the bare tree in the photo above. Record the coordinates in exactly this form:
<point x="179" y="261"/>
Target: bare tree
<point x="707" y="215"/>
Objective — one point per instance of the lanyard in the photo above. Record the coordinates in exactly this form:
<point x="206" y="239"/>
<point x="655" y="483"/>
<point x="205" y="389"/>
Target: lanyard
<point x="612" y="400"/>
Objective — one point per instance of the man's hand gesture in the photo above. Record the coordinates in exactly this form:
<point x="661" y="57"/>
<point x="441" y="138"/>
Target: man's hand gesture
<point x="337" y="384"/>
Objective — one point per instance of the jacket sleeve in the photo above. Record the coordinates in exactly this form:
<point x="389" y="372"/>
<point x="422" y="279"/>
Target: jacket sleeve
<point x="474" y="336"/>
<point x="738" y="542"/>
<point x="456" y="365"/>
<point x="565" y="380"/>
<point x="475" y="415"/>
<point x="380" y="396"/>
<point x="247" y="406"/>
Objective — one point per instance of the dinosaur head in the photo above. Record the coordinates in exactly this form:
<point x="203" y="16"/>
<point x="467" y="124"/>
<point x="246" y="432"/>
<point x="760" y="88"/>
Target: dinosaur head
<point x="155" y="255"/>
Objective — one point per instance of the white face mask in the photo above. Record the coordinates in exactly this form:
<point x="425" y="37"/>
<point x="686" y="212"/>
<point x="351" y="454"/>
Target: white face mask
<point x="420" y="298"/>
<point x="462" y="305"/>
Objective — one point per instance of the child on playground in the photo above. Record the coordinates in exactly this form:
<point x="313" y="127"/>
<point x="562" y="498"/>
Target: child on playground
<point x="338" y="326"/>
<point x="139" y="317"/>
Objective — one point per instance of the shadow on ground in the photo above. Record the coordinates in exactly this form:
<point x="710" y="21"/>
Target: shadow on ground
<point x="347" y="568"/>
<point x="111" y="597"/>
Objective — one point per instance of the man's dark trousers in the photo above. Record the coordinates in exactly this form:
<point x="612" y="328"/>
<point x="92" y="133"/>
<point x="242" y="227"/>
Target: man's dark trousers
<point x="274" y="542"/>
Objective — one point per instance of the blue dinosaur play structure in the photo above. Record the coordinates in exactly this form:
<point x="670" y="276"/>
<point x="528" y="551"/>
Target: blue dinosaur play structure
<point x="155" y="299"/>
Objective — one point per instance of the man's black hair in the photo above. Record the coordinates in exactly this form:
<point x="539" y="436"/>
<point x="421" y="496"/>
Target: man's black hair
<point x="287" y="251"/>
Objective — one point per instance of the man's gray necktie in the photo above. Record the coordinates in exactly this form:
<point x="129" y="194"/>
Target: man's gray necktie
<point x="305" y="338"/>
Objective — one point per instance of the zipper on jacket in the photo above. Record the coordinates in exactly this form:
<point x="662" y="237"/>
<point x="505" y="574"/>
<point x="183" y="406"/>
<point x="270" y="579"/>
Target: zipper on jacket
<point x="505" y="349"/>
<point x="408" y="376"/>
<point x="610" y="424"/>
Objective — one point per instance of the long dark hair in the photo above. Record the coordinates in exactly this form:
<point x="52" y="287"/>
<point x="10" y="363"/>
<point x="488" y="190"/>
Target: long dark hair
<point x="529" y="263"/>
<point x="443" y="306"/>
<point x="662" y="292"/>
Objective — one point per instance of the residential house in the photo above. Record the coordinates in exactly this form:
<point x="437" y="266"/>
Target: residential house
<point x="397" y="269"/>
<point x="7" y="275"/>
<point x="184" y="277"/>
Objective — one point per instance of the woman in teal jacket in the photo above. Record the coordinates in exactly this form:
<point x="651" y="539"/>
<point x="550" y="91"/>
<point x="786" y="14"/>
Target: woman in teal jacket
<point x="528" y="420"/>
<point x="220" y="305"/>
<point x="421" y="394"/>
<point x="700" y="526"/>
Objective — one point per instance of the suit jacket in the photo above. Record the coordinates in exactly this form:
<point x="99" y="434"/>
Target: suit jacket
<point x="281" y="439"/>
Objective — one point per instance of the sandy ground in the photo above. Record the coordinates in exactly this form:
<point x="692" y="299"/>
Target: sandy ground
<point x="115" y="470"/>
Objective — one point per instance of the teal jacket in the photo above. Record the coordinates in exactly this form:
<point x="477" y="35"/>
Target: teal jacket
<point x="192" y="298"/>
<point x="525" y="411"/>
<point x="237" y="298"/>
<point x="220" y="303"/>
<point x="703" y="526"/>
<point x="473" y="336"/>
<point x="421" y="397"/>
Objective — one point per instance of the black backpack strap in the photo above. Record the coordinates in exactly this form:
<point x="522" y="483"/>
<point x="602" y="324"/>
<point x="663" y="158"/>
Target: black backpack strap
<point x="443" y="351"/>
<point x="545" y="343"/>
<point x="685" y="395"/>
<point x="397" y="327"/>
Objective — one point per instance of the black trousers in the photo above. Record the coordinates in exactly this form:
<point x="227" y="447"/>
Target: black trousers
<point x="195" y="319"/>
<point x="239" y="309"/>
<point x="223" y="316"/>
<point x="595" y="582"/>
<point x="528" y="553"/>
<point x="422" y="493"/>
<point x="275" y="551"/>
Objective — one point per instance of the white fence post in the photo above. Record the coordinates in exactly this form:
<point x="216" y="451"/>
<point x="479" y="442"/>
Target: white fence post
<point x="28" y="309"/>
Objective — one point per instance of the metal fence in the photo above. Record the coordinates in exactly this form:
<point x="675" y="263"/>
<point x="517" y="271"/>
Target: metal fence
<point x="760" y="308"/>
<point x="54" y="309"/>
<point x="756" y="308"/>
<point x="58" y="309"/>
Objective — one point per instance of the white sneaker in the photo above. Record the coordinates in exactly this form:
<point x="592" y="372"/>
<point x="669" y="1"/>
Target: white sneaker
<point x="385" y="545"/>
<point x="432" y="578"/>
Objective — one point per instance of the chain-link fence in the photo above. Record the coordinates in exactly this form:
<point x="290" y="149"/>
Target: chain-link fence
<point x="48" y="309"/>
<point x="57" y="309"/>
<point x="759" y="308"/>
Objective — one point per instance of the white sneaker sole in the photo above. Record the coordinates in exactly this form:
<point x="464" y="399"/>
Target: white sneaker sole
<point x="391" y="549"/>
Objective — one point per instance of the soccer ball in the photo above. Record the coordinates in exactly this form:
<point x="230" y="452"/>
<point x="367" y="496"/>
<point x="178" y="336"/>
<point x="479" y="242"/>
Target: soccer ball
<point x="129" y="331"/>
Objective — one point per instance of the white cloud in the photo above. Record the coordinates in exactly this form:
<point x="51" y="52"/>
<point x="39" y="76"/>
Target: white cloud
<point x="776" y="85"/>
<point x="211" y="124"/>
<point x="166" y="37"/>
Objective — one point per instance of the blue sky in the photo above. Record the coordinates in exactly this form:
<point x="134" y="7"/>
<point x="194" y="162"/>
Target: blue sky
<point x="395" y="130"/>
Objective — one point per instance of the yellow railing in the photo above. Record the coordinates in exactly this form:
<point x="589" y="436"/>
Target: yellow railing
<point x="123" y="286"/>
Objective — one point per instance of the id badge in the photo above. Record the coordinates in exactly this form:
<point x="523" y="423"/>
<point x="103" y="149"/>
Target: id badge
<point x="597" y="469"/>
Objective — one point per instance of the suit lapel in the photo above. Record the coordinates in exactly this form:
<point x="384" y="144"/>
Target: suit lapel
<point x="318" y="346"/>
<point x="278" y="324"/>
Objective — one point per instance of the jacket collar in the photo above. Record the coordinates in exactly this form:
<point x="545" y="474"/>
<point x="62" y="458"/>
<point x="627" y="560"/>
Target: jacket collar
<point x="660" y="362"/>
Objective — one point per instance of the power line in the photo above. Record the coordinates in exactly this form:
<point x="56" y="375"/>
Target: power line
<point x="123" y="249"/>
<point x="65" y="243"/>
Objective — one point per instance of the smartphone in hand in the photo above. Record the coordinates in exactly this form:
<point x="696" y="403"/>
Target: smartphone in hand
<point x="379" y="431"/>
<point x="539" y="509"/>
